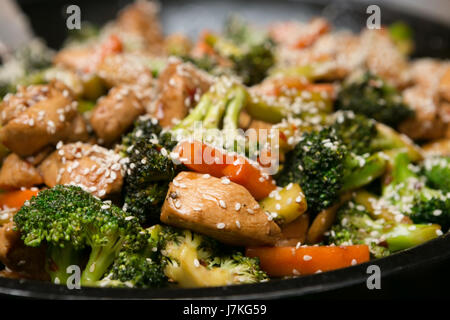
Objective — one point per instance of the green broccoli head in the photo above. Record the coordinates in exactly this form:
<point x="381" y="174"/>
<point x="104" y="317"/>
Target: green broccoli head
<point x="374" y="98"/>
<point x="324" y="167"/>
<point x="408" y="191"/>
<point x="193" y="260"/>
<point x="317" y="164"/>
<point x="135" y="270"/>
<point x="356" y="226"/>
<point x="70" y="219"/>
<point x="437" y="172"/>
<point x="355" y="131"/>
<point x="141" y="267"/>
<point x="250" y="50"/>
<point x="149" y="169"/>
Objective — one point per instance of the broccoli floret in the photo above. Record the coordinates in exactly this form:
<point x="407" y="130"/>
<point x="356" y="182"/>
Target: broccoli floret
<point x="437" y="171"/>
<point x="374" y="98"/>
<point x="218" y="109"/>
<point x="355" y="131"/>
<point x="250" y="50"/>
<point x="193" y="260"/>
<point x="363" y="135"/>
<point x="68" y="219"/>
<point x="355" y="226"/>
<point x="407" y="191"/>
<point x="139" y="268"/>
<point x="324" y="167"/>
<point x="149" y="170"/>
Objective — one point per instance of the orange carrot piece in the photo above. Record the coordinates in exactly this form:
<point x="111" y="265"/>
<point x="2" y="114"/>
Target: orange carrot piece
<point x="16" y="199"/>
<point x="291" y="261"/>
<point x="203" y="158"/>
<point x="251" y="178"/>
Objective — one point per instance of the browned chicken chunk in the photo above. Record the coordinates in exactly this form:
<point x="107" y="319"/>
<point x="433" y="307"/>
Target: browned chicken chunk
<point x="141" y="20"/>
<point x="115" y="113"/>
<point x="75" y="58"/>
<point x="91" y="167"/>
<point x="37" y="116"/>
<point x="180" y="87"/>
<point x="218" y="208"/>
<point x="125" y="68"/>
<point x="16" y="173"/>
<point x="29" y="262"/>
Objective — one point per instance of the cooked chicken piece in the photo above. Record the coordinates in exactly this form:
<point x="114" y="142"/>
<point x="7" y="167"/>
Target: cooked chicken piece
<point x="16" y="173"/>
<point x="177" y="44"/>
<point x="77" y="131"/>
<point x="438" y="147"/>
<point x="299" y="35"/>
<point x="115" y="113"/>
<point x="336" y="55"/>
<point x="125" y="68"/>
<point x="427" y="124"/>
<point x="383" y="57"/>
<point x="38" y="116"/>
<point x="94" y="168"/>
<point x="218" y="208"/>
<point x="141" y="19"/>
<point x="28" y="261"/>
<point x="180" y="86"/>
<point x="444" y="85"/>
<point x="425" y="72"/>
<point x="75" y="58"/>
<point x="294" y="232"/>
<point x="244" y="120"/>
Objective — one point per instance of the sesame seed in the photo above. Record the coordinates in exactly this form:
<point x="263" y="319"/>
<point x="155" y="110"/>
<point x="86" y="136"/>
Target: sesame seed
<point x="238" y="224"/>
<point x="237" y="206"/>
<point x="307" y="257"/>
<point x="222" y="204"/>
<point x="196" y="263"/>
<point x="220" y="225"/>
<point x="354" y="262"/>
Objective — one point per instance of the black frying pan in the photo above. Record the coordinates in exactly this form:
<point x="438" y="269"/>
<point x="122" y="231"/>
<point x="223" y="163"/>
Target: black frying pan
<point x="413" y="272"/>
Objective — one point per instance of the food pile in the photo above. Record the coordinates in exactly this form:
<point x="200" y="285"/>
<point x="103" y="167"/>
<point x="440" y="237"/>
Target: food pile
<point x="104" y="166"/>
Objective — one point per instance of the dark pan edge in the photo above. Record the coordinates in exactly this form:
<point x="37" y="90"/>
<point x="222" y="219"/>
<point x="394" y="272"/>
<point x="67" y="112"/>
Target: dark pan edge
<point x="428" y="253"/>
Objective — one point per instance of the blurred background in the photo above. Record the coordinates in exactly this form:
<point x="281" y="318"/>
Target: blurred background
<point x="46" y="18"/>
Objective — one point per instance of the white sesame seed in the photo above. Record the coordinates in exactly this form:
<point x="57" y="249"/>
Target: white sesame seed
<point x="222" y="204"/>
<point x="238" y="224"/>
<point x="220" y="225"/>
<point x="307" y="257"/>
<point x="354" y="262"/>
<point x="237" y="206"/>
<point x="196" y="263"/>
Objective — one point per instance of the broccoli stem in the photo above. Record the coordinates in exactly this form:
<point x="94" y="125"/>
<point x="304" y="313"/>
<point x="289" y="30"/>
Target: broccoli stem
<point x="215" y="113"/>
<point x="387" y="138"/>
<point x="100" y="259"/>
<point x="58" y="259"/>
<point x="234" y="107"/>
<point x="404" y="236"/>
<point x="197" y="114"/>
<point x="231" y="119"/>
<point x="373" y="168"/>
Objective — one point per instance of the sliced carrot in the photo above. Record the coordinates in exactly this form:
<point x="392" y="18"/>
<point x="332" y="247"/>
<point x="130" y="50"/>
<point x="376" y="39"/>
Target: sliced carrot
<point x="204" y="158"/>
<point x="291" y="261"/>
<point x="278" y="86"/>
<point x="16" y="199"/>
<point x="111" y="45"/>
<point x="251" y="178"/>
